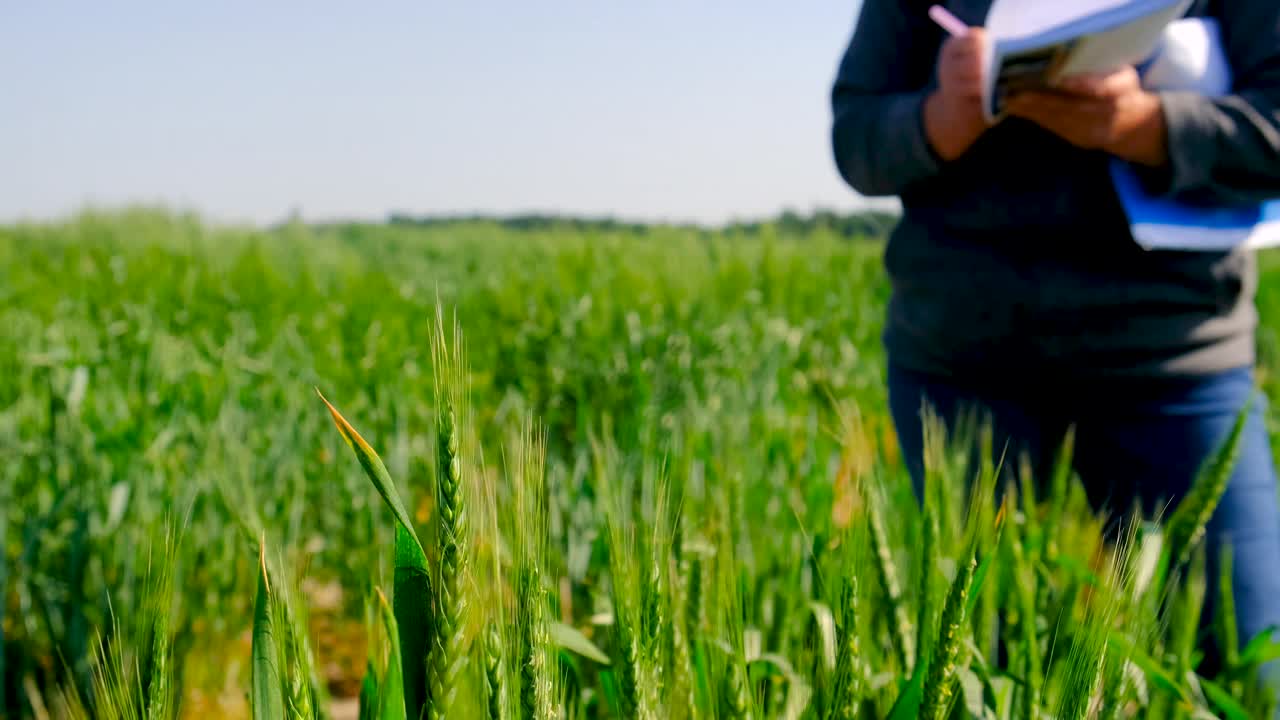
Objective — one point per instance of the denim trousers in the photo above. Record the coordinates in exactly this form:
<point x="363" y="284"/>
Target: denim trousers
<point x="1135" y="441"/>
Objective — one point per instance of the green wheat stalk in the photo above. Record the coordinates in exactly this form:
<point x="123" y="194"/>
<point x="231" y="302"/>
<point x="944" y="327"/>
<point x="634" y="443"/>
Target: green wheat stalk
<point x="537" y="688"/>
<point x="928" y="567"/>
<point x="493" y="674"/>
<point x="887" y="573"/>
<point x="734" y="694"/>
<point x="847" y="691"/>
<point x="681" y="631"/>
<point x="939" y="685"/>
<point x="448" y="654"/>
<point x="1187" y="525"/>
<point x="1025" y="602"/>
<point x="539" y="691"/>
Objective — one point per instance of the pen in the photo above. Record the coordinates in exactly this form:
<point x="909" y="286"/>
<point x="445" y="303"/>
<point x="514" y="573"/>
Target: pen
<point x="947" y="21"/>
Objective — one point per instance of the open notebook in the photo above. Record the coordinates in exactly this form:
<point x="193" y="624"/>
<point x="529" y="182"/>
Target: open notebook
<point x="1191" y="57"/>
<point x="1034" y="43"/>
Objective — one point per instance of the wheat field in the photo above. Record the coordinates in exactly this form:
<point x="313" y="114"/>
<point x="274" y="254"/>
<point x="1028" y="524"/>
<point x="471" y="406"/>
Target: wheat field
<point x="559" y="471"/>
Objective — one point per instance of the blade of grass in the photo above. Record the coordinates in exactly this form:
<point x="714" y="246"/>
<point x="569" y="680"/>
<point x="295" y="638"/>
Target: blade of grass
<point x="412" y="603"/>
<point x="391" y="691"/>
<point x="887" y="573"/>
<point x="369" y="701"/>
<point x="570" y="638"/>
<point x="984" y="566"/>
<point x="413" y="599"/>
<point x="1261" y="648"/>
<point x="1224" y="701"/>
<point x="374" y="468"/>
<point x="267" y="699"/>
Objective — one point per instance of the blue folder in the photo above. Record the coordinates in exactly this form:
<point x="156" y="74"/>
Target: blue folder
<point x="1191" y="58"/>
<point x="1162" y="223"/>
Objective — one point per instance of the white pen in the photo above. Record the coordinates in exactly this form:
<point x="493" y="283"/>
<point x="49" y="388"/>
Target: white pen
<point x="947" y="21"/>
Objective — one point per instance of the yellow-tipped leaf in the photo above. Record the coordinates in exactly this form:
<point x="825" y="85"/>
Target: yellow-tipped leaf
<point x="373" y="467"/>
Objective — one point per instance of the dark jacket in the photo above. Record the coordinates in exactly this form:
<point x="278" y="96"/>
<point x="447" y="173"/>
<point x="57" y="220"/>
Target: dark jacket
<point x="1017" y="255"/>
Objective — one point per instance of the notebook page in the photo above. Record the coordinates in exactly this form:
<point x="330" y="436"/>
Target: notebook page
<point x="1126" y="45"/>
<point x="1020" y="18"/>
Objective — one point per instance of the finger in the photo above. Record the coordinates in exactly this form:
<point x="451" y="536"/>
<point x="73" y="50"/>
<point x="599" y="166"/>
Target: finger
<point x="964" y="49"/>
<point x="1085" y="124"/>
<point x="961" y="80"/>
<point x="1058" y="102"/>
<point x="1103" y="85"/>
<point x="1120" y="83"/>
<point x="1086" y="112"/>
<point x="976" y="38"/>
<point x="1086" y="83"/>
<point x="1047" y="110"/>
<point x="964" y="57"/>
<point x="965" y="78"/>
<point x="972" y="41"/>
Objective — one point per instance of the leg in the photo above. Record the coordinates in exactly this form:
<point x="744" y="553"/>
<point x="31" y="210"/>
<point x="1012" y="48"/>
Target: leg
<point x="1149" y="451"/>
<point x="1015" y="429"/>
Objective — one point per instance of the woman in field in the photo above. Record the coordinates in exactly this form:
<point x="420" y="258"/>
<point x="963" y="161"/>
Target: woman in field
<point x="1017" y="288"/>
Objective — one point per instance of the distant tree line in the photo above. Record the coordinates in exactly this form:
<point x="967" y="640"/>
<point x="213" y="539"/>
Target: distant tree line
<point x="860" y="225"/>
<point x="523" y="222"/>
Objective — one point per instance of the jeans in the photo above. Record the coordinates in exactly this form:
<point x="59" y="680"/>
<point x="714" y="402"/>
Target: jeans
<point x="1139" y="440"/>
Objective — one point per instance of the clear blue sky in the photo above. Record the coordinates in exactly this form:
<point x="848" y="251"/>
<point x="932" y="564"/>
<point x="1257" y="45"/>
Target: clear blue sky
<point x="662" y="109"/>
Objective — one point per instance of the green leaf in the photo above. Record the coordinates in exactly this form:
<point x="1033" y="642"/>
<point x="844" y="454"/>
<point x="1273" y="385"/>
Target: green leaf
<point x="984" y="566"/>
<point x="391" y="701"/>
<point x="1261" y="649"/>
<point x="266" y="686"/>
<point x="907" y="706"/>
<point x="1156" y="674"/>
<point x="702" y="680"/>
<point x="369" y="703"/>
<point x="1223" y="700"/>
<point x="1079" y="571"/>
<point x="798" y="696"/>
<point x="1186" y="526"/>
<point x="413" y="601"/>
<point x="374" y="468"/>
<point x="780" y="664"/>
<point x="569" y="638"/>
<point x="612" y="696"/>
<point x="415" y="620"/>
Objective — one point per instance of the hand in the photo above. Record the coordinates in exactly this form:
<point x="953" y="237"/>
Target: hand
<point x="953" y="117"/>
<point x="1108" y="112"/>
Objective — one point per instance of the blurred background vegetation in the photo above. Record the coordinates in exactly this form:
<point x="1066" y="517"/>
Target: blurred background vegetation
<point x="153" y="366"/>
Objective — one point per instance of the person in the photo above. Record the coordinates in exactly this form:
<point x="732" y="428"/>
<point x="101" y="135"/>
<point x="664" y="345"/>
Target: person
<point x="1017" y="288"/>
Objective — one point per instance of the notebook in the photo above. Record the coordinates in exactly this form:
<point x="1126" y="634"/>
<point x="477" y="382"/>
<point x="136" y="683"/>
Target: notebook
<point x="1034" y="43"/>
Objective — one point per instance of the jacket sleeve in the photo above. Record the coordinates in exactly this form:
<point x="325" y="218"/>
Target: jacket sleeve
<point x="877" y="133"/>
<point x="1229" y="147"/>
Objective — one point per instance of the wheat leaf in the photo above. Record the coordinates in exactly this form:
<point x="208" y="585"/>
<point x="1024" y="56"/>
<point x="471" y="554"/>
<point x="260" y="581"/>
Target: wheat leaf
<point x="1223" y="700"/>
<point x="569" y="638"/>
<point x="268" y="700"/>
<point x="391" y="697"/>
<point x="374" y="468"/>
